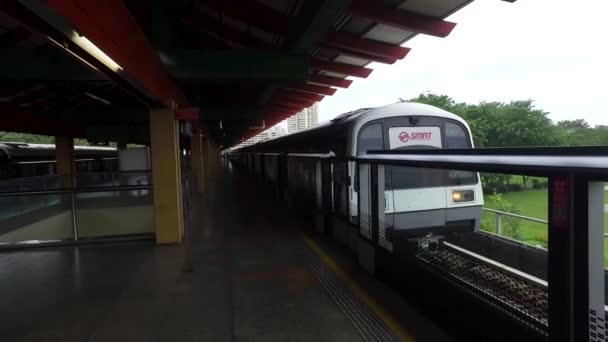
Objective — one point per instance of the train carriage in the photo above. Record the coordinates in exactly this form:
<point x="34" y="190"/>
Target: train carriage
<point x="417" y="201"/>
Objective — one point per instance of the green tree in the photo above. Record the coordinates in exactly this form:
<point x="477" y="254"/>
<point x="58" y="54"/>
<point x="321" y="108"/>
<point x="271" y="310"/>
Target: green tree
<point x="577" y="132"/>
<point x="35" y="138"/>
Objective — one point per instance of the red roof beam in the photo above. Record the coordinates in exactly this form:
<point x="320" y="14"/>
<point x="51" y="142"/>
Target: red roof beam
<point x="312" y="88"/>
<point x="293" y="94"/>
<point x="340" y="68"/>
<point x="402" y="19"/>
<point x="111" y="27"/>
<point x="362" y="47"/>
<point x="285" y="107"/>
<point x="330" y="80"/>
<point x="295" y="102"/>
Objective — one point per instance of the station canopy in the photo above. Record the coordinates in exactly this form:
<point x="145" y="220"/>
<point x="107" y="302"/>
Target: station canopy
<point x="88" y="68"/>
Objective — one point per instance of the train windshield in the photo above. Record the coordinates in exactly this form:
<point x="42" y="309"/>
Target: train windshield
<point x="429" y="133"/>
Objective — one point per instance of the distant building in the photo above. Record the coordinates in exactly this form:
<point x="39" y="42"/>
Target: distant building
<point x="307" y="118"/>
<point x="271" y="133"/>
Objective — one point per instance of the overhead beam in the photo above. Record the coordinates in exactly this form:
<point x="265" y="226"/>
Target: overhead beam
<point x="110" y="26"/>
<point x="340" y="68"/>
<point x="330" y="80"/>
<point x="316" y="17"/>
<point x="230" y="113"/>
<point x="215" y="27"/>
<point x="285" y="93"/>
<point x="208" y="65"/>
<point x="363" y="47"/>
<point x="44" y="64"/>
<point x="312" y="88"/>
<point x="284" y="106"/>
<point x="255" y="13"/>
<point x="402" y="19"/>
<point x="294" y="102"/>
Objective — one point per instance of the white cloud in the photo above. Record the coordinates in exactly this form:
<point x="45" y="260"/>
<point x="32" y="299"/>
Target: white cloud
<point x="551" y="51"/>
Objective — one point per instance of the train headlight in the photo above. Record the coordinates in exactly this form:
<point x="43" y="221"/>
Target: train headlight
<point x="463" y="196"/>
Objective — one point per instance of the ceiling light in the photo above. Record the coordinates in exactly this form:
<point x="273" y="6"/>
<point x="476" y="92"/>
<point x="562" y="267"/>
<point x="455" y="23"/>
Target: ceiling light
<point x="94" y="51"/>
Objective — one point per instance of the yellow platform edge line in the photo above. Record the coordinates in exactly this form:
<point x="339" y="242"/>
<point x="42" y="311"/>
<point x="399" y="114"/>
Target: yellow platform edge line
<point x="401" y="333"/>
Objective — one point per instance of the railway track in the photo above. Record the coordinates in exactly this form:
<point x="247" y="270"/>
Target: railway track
<point x="520" y="296"/>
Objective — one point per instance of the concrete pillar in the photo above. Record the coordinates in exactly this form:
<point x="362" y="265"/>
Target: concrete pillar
<point x="196" y="145"/>
<point x="65" y="166"/>
<point x="166" y="176"/>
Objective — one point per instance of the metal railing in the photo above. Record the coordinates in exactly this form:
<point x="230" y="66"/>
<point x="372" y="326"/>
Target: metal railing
<point x="499" y="214"/>
<point x="34" y="209"/>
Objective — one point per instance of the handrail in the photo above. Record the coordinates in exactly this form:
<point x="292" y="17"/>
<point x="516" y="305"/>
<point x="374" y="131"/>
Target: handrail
<point x="528" y="218"/>
<point x="543" y="165"/>
<point x="505" y="213"/>
<point x="76" y="190"/>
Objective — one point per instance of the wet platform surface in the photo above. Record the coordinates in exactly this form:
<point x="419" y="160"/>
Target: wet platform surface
<point x="249" y="284"/>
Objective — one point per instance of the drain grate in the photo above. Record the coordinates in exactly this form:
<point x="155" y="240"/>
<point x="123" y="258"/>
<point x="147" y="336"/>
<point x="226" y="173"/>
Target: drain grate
<point x="364" y="319"/>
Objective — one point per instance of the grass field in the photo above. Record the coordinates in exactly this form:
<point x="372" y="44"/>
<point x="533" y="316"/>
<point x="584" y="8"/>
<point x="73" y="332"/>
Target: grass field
<point x="532" y="203"/>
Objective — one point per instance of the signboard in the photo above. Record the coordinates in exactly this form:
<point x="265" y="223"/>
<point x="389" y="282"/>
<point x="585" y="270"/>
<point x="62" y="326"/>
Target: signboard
<point x="560" y="203"/>
<point x="414" y="136"/>
<point x="187" y="114"/>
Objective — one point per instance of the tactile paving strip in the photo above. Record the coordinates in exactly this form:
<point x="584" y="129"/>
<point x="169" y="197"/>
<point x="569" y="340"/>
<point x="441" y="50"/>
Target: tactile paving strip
<point x="364" y="319"/>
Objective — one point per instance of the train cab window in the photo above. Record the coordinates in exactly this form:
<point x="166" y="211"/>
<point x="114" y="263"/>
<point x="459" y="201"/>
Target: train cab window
<point x="455" y="136"/>
<point x="370" y="138"/>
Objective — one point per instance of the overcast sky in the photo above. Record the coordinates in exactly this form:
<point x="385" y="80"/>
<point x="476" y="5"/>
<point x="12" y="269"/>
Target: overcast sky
<point x="552" y="51"/>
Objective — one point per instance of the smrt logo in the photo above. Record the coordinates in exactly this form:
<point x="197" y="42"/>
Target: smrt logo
<point x="405" y="137"/>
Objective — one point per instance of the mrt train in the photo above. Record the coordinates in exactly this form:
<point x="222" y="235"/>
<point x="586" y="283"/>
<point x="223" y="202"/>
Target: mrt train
<point x="416" y="201"/>
<point x="21" y="160"/>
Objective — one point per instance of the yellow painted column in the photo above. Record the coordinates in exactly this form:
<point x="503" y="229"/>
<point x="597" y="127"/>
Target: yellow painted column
<point x="166" y="176"/>
<point x="206" y="160"/>
<point x="65" y="166"/>
<point x="196" y="144"/>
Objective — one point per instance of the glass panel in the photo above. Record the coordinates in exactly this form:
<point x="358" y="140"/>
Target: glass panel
<point x="35" y="218"/>
<point x="341" y="189"/>
<point x="104" y="179"/>
<point x="31" y="184"/>
<point x="455" y="136"/>
<point x="370" y="138"/>
<point x="365" y="209"/>
<point x="113" y="213"/>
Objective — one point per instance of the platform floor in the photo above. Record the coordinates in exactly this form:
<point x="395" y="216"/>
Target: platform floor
<point x="248" y="283"/>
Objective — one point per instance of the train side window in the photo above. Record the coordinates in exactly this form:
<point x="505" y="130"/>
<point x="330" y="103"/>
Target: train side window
<point x="370" y="138"/>
<point x="456" y="136"/>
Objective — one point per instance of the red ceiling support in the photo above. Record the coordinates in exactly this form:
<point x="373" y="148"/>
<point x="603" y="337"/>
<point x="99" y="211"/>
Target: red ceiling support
<point x="330" y="80"/>
<point x="363" y="47"/>
<point x="110" y="26"/>
<point x="340" y="68"/>
<point x="297" y="95"/>
<point x="284" y="107"/>
<point x="402" y="19"/>
<point x="295" y="102"/>
<point x="312" y="88"/>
